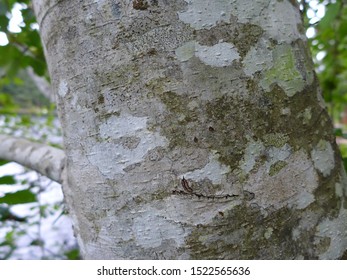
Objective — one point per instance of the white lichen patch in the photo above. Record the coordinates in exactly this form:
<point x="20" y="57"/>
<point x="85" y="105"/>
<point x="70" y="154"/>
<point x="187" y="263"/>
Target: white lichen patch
<point x="74" y="101"/>
<point x="269" y="17"/>
<point x="338" y="190"/>
<point x="335" y="230"/>
<point x="253" y="150"/>
<point x="285" y="111"/>
<point x="275" y="155"/>
<point x="323" y="157"/>
<point x="284" y="14"/>
<point x="214" y="170"/>
<point x="292" y="185"/>
<point x="163" y="220"/>
<point x="110" y="156"/>
<point x="258" y="58"/>
<point x="268" y="232"/>
<point x="192" y="211"/>
<point x="306" y="223"/>
<point x="206" y="14"/>
<point x="150" y="229"/>
<point x="125" y="125"/>
<point x="305" y="198"/>
<point x="219" y="55"/>
<point x="247" y="10"/>
<point x="307" y="115"/>
<point x="63" y="88"/>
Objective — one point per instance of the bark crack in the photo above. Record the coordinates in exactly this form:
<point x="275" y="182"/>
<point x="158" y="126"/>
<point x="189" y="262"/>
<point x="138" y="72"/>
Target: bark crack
<point x="188" y="191"/>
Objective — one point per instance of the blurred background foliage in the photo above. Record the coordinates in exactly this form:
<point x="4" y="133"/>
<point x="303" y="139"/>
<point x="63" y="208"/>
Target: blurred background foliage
<point x="33" y="224"/>
<point x="23" y="107"/>
<point x="326" y="25"/>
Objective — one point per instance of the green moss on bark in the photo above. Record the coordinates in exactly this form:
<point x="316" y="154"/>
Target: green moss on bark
<point x="246" y="233"/>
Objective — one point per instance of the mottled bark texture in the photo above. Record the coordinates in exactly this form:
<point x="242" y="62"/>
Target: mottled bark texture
<point x="222" y="93"/>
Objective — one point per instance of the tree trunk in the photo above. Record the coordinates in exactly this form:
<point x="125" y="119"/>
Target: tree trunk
<point x="193" y="130"/>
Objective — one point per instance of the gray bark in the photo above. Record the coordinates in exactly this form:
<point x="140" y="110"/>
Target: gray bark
<point x="46" y="160"/>
<point x="193" y="130"/>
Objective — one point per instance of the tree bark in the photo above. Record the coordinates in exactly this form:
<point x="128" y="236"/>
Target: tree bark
<point x="46" y="160"/>
<point x="193" y="130"/>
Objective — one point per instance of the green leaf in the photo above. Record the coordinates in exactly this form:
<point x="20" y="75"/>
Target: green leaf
<point x="6" y="214"/>
<point x="344" y="163"/>
<point x="20" y="197"/>
<point x="3" y="9"/>
<point x="330" y="15"/>
<point x="4" y="211"/>
<point x="338" y="132"/>
<point x="25" y="120"/>
<point x="6" y="99"/>
<point x="37" y="242"/>
<point x="73" y="254"/>
<point x="9" y="237"/>
<point x="39" y="66"/>
<point x="7" y="180"/>
<point x="3" y="162"/>
<point x="3" y="23"/>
